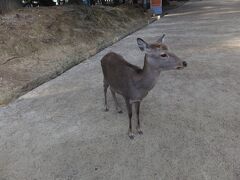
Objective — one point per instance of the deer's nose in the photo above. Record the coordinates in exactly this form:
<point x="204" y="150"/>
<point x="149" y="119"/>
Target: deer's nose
<point x="184" y="64"/>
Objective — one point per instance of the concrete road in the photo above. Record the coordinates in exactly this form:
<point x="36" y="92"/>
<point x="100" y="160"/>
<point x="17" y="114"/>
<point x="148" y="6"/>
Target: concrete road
<point x="191" y="119"/>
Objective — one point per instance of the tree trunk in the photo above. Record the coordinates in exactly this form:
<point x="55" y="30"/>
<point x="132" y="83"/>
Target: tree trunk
<point x="75" y="2"/>
<point x="165" y="2"/>
<point x="8" y="5"/>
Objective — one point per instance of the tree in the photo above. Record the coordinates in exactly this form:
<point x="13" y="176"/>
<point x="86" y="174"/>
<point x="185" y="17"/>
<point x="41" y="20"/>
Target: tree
<point x="74" y="2"/>
<point x="8" y="5"/>
<point x="165" y="2"/>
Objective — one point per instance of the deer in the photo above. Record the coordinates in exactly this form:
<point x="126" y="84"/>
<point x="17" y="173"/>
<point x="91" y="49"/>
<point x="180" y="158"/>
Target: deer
<point x="133" y="82"/>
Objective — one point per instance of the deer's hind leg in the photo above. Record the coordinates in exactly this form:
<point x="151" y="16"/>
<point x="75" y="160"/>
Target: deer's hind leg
<point x="105" y="86"/>
<point x="118" y="108"/>
<point x="137" y="107"/>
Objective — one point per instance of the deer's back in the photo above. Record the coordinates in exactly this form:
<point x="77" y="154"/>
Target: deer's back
<point x="118" y="72"/>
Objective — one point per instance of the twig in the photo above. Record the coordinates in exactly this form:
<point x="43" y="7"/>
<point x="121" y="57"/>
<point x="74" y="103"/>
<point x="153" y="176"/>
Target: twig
<point x="9" y="60"/>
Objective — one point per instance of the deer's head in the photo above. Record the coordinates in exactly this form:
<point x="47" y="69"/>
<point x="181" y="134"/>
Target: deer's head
<point x="158" y="56"/>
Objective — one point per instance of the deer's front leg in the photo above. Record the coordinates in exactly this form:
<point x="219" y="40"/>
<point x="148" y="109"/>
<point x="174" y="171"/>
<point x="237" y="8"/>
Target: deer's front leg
<point x="129" y="109"/>
<point x="137" y="107"/>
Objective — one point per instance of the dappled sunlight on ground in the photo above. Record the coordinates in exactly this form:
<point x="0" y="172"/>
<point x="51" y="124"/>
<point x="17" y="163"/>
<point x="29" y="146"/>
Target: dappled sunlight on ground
<point x="212" y="12"/>
<point x="233" y="43"/>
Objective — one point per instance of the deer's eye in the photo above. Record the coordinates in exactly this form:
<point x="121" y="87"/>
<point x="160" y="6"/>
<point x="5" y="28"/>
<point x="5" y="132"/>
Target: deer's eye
<point x="164" y="55"/>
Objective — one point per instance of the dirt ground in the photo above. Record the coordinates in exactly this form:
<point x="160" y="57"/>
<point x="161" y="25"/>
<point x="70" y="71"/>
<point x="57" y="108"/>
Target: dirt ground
<point x="40" y="43"/>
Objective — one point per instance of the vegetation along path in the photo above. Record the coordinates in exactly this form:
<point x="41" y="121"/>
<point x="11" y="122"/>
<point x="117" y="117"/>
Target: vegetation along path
<point x="38" y="44"/>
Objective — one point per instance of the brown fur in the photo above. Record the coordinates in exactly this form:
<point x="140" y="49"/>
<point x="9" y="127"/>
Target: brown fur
<point x="133" y="82"/>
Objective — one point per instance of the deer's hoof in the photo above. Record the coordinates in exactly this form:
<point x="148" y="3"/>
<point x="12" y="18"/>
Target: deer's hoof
<point x="131" y="135"/>
<point x="120" y="111"/>
<point x="140" y="132"/>
<point x="106" y="108"/>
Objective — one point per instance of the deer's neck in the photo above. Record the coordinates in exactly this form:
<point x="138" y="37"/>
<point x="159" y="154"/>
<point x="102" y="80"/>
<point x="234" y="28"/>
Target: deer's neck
<point x="149" y="75"/>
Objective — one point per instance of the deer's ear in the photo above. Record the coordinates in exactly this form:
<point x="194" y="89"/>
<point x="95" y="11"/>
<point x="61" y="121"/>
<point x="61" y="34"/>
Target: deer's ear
<point x="142" y="44"/>
<point x="161" y="39"/>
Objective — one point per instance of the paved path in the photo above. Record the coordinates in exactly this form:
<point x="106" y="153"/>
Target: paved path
<point x="191" y="119"/>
